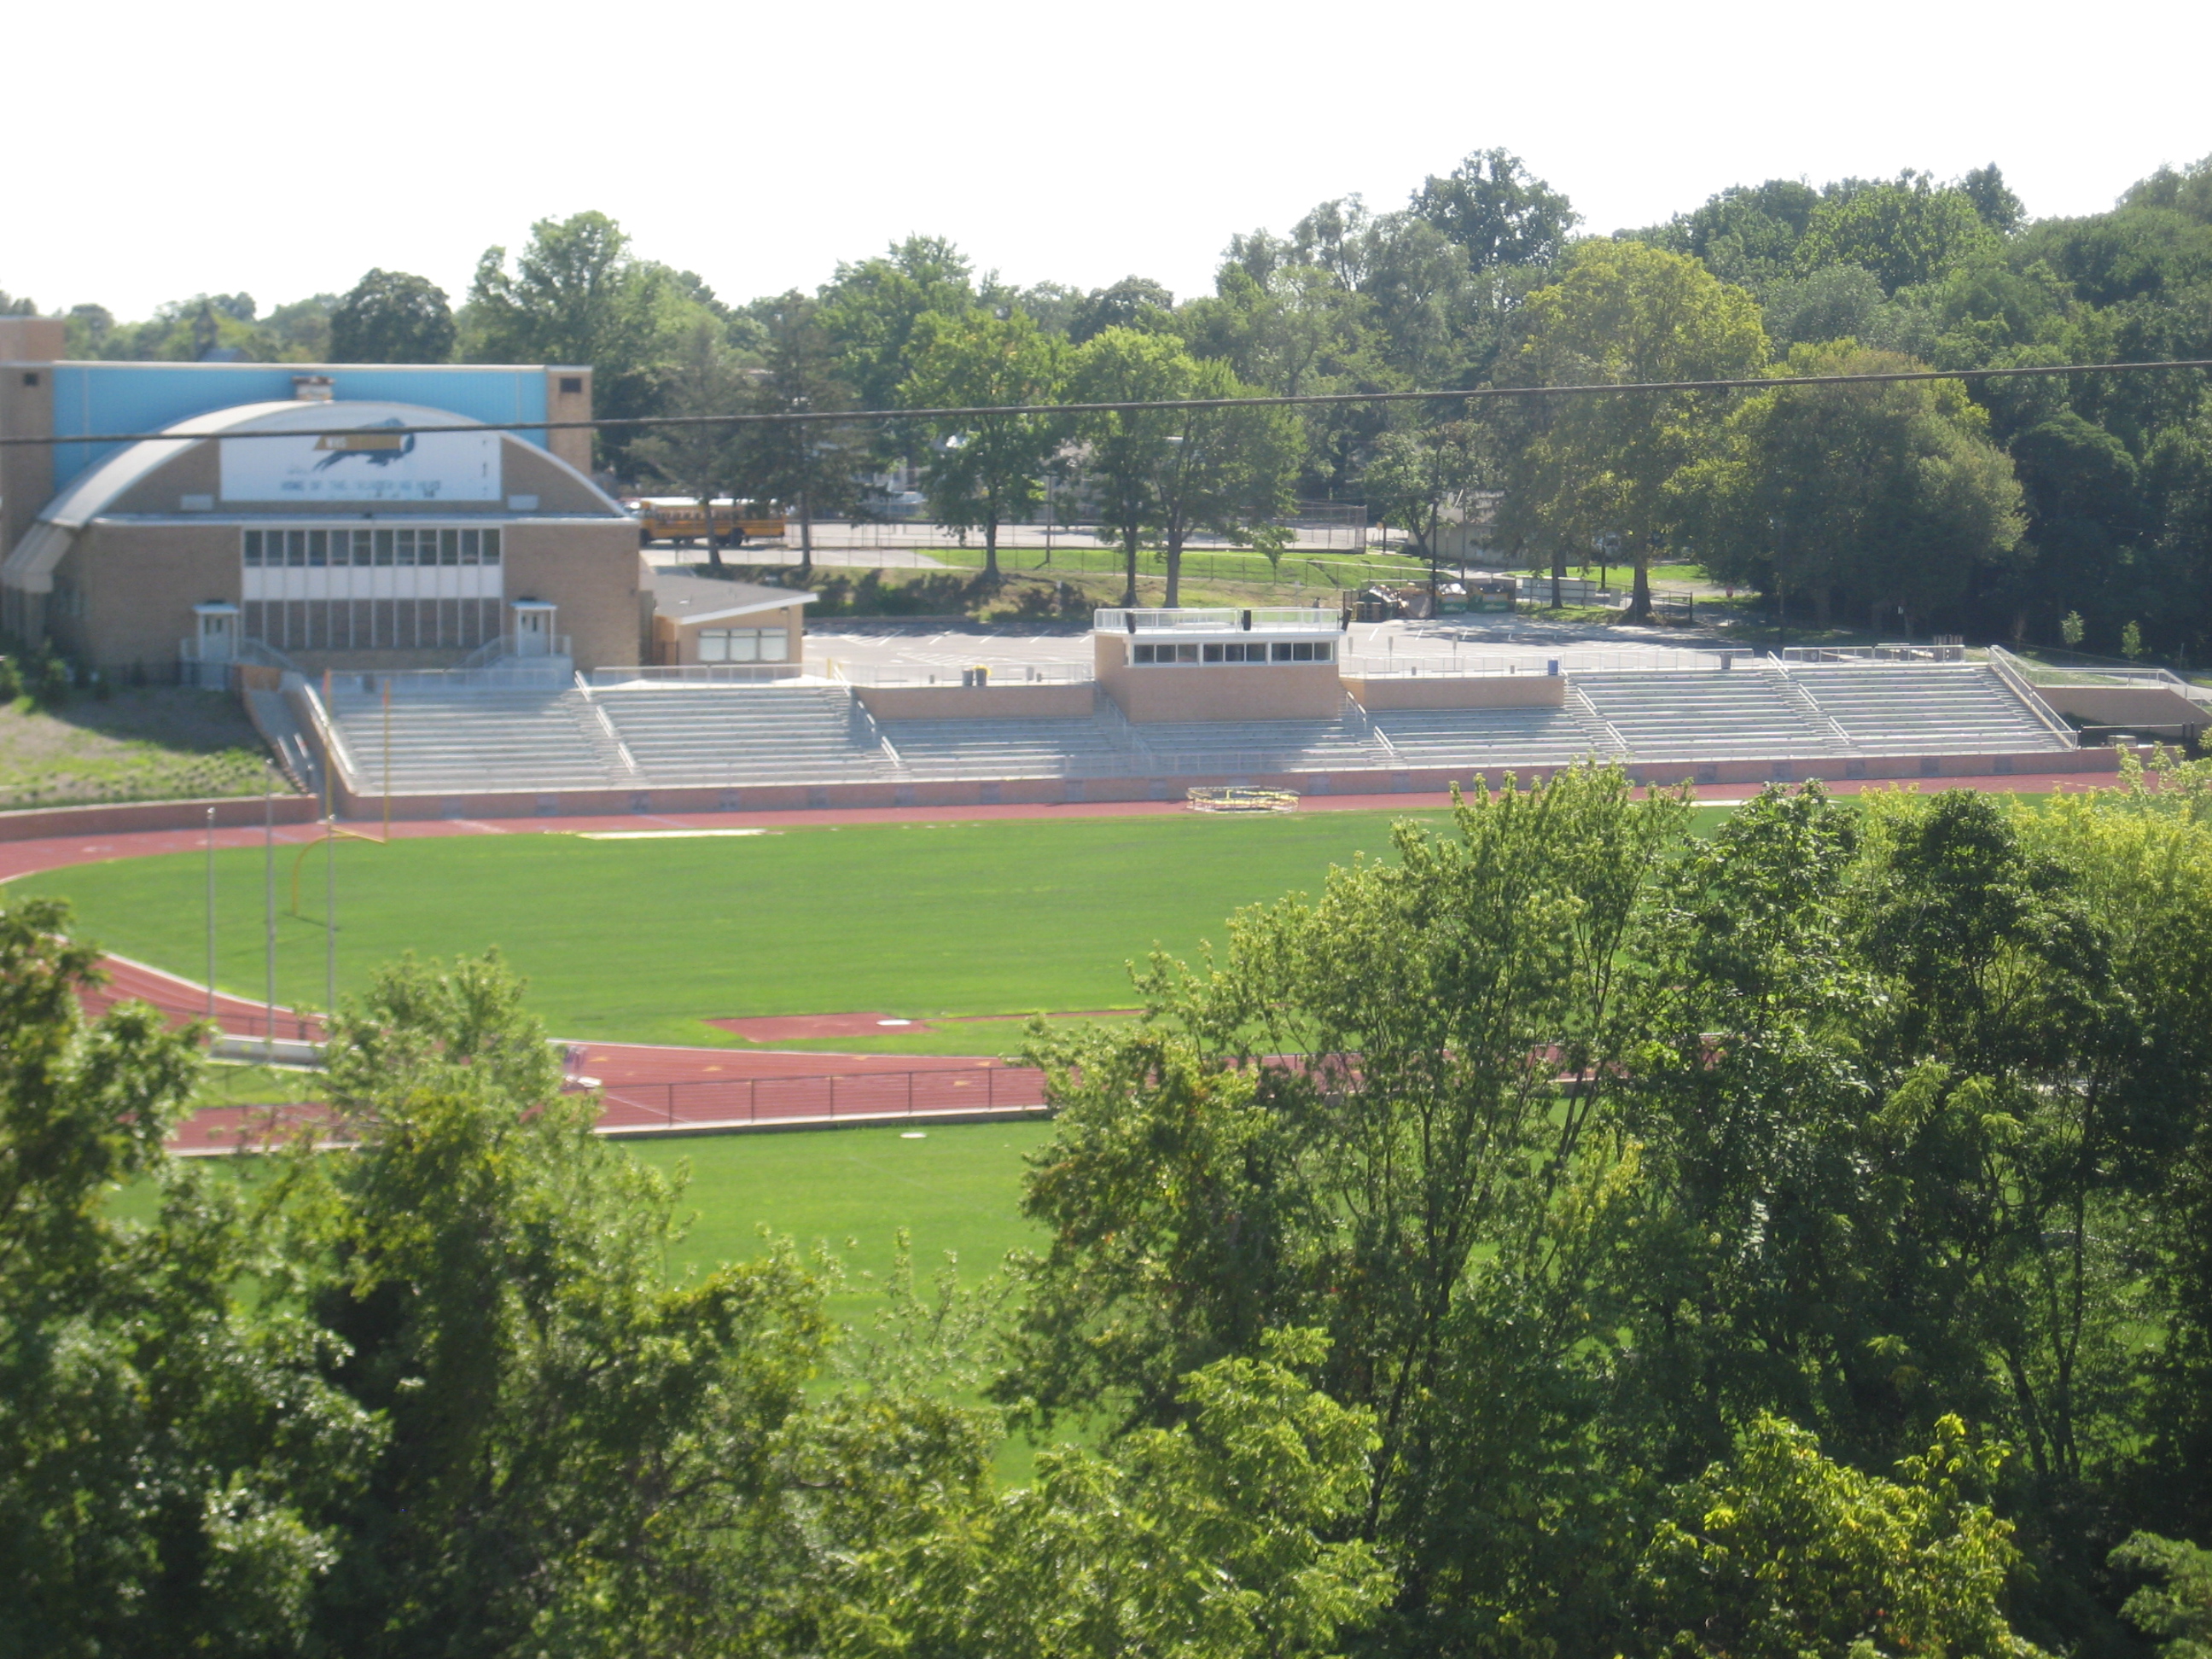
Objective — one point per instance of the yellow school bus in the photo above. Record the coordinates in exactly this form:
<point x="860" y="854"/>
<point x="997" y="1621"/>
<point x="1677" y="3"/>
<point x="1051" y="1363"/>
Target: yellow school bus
<point x="679" y="518"/>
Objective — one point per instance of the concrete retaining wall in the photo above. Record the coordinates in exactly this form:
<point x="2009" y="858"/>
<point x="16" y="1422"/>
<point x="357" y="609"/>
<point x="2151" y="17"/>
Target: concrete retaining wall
<point x="231" y="813"/>
<point x="2125" y="705"/>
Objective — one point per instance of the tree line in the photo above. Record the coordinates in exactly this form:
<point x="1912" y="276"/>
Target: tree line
<point x="1577" y="1234"/>
<point x="2071" y="509"/>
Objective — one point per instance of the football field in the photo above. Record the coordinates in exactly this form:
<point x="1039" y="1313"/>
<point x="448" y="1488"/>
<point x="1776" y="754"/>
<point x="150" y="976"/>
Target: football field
<point x="642" y="941"/>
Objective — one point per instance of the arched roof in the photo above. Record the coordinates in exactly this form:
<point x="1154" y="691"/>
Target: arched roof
<point x="30" y="563"/>
<point x="89" y="495"/>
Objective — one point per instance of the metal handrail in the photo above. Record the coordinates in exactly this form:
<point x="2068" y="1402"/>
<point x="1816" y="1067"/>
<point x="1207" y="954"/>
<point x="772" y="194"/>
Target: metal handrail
<point x="2000" y="661"/>
<point x="1223" y="619"/>
<point x="335" y="749"/>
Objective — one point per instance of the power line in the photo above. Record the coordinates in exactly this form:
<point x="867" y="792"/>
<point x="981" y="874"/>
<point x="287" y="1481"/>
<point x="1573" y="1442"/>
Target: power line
<point x="1306" y="400"/>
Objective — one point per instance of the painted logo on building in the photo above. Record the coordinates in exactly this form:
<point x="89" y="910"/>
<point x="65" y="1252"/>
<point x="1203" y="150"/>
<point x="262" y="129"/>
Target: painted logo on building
<point x="375" y="447"/>
<point x="372" y="464"/>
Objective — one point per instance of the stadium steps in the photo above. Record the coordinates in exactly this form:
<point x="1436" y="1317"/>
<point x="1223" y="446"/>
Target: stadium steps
<point x="1924" y="709"/>
<point x="473" y="741"/>
<point x="704" y="735"/>
<point x="1487" y="737"/>
<point x="1232" y="748"/>
<point x="1711" y="715"/>
<point x="1076" y="747"/>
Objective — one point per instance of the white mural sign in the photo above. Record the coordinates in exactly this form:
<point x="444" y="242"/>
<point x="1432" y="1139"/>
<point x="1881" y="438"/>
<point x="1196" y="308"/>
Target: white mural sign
<point x="368" y="465"/>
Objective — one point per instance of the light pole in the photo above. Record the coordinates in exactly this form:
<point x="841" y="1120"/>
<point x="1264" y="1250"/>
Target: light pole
<point x="269" y="916"/>
<point x="210" y="913"/>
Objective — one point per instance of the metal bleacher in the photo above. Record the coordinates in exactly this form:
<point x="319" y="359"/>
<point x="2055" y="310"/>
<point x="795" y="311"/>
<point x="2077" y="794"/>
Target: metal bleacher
<point x="1722" y="714"/>
<point x="1490" y="737"/>
<point x="1924" y="709"/>
<point x="472" y="740"/>
<point x="1078" y="748"/>
<point x="697" y="735"/>
<point x="1209" y="748"/>
<point x="459" y="737"/>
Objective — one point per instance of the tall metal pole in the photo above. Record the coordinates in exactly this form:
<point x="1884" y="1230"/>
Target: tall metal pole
<point x="269" y="915"/>
<point x="329" y="906"/>
<point x="210" y="912"/>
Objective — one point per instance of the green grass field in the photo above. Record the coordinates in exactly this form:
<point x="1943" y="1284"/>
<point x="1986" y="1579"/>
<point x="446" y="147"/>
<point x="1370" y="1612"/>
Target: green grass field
<point x="643" y="940"/>
<point x="953" y="1188"/>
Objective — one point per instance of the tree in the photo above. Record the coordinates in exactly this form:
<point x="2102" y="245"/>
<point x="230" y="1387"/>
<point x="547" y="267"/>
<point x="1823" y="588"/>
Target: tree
<point x="391" y="317"/>
<point x="1135" y="302"/>
<point x="1906" y="232"/>
<point x="2179" y="1606"/>
<point x="1627" y="312"/>
<point x="870" y="312"/>
<point x="577" y="294"/>
<point x="813" y="464"/>
<point x="167" y="1455"/>
<point x="1350" y="1121"/>
<point x="702" y="461"/>
<point x="2187" y="190"/>
<point x="1502" y="214"/>
<point x="1890" y="499"/>
<point x="1780" y="1552"/>
<point x="1229" y="472"/>
<point x="1421" y="476"/>
<point x="982" y="473"/>
<point x="1122" y="453"/>
<point x="1208" y="1540"/>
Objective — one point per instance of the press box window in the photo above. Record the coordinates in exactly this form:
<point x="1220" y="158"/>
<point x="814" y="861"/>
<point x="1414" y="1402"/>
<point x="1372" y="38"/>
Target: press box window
<point x="1156" y="654"/>
<point x="1304" y="650"/>
<point x="743" y="644"/>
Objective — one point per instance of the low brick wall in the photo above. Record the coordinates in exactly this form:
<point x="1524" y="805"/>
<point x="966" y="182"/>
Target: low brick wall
<point x="2086" y="762"/>
<point x="1460" y="692"/>
<point x="231" y="813"/>
<point x="1014" y="702"/>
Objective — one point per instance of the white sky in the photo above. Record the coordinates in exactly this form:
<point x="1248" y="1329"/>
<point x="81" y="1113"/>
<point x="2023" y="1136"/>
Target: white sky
<point x="284" y="149"/>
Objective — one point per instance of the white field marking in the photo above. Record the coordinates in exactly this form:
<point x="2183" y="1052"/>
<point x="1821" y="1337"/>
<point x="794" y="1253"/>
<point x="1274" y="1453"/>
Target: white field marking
<point x="663" y="835"/>
<point x="894" y="1022"/>
<point x="913" y="1134"/>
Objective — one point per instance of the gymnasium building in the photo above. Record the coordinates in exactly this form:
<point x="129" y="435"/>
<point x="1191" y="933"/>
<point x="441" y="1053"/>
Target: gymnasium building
<point x="286" y="516"/>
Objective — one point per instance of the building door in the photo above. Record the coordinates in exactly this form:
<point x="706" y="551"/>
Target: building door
<point x="533" y="628"/>
<point x="218" y="638"/>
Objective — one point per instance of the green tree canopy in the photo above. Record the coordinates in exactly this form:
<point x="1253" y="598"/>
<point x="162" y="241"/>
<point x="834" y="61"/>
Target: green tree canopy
<point x="982" y="473"/>
<point x="391" y="317"/>
<point x="1625" y="311"/>
<point x="1888" y="501"/>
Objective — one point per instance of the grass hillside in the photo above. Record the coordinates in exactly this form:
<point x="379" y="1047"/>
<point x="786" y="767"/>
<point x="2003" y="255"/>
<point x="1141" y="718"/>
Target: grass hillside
<point x="132" y="745"/>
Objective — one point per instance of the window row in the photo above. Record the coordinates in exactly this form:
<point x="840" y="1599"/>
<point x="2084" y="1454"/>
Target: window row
<point x="371" y="624"/>
<point x="743" y="644"/>
<point x="314" y="548"/>
<point x="1240" y="651"/>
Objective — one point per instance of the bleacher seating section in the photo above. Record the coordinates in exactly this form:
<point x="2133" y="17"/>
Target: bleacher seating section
<point x="645" y="736"/>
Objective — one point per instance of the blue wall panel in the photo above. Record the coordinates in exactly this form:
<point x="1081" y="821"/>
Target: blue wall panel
<point x="147" y="397"/>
